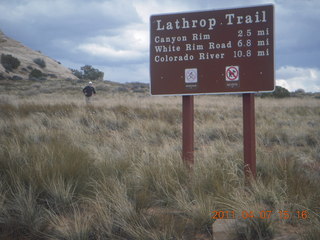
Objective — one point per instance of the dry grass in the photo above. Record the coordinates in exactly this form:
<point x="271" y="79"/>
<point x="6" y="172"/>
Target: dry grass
<point x="113" y="170"/>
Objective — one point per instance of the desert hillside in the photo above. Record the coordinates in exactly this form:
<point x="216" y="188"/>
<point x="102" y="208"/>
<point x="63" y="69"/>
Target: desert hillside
<point x="28" y="58"/>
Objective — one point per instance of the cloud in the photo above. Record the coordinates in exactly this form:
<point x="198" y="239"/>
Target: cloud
<point x="114" y="34"/>
<point x="134" y="47"/>
<point x="44" y="23"/>
<point x="297" y="41"/>
<point x="293" y="78"/>
<point x="126" y="73"/>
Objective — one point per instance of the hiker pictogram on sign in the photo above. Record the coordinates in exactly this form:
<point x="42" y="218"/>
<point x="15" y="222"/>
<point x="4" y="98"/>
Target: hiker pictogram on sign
<point x="191" y="75"/>
<point x="232" y="73"/>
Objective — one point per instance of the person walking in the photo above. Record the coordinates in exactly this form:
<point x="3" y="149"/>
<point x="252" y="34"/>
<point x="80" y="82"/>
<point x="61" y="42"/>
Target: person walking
<point x="88" y="91"/>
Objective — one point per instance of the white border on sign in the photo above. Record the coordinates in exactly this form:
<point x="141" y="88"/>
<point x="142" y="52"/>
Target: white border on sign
<point x="234" y="72"/>
<point x="222" y="93"/>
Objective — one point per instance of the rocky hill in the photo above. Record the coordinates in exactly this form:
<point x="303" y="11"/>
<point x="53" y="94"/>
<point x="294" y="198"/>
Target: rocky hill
<point x="32" y="64"/>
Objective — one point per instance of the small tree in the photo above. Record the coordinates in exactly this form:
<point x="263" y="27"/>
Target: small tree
<point x="300" y="91"/>
<point x="92" y="73"/>
<point x="279" y="92"/>
<point x="9" y="62"/>
<point x="88" y="72"/>
<point x="77" y="73"/>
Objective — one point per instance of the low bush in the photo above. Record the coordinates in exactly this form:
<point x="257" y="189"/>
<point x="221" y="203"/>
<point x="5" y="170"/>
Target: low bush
<point x="16" y="78"/>
<point x="9" y="62"/>
<point x="2" y="77"/>
<point x="279" y="92"/>
<point x="36" y="74"/>
<point x="41" y="63"/>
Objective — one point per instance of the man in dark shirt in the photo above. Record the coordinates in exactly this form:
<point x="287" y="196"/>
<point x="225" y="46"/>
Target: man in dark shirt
<point x="88" y="92"/>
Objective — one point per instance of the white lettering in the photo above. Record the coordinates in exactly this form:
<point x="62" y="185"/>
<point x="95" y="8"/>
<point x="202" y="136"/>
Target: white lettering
<point x="208" y="56"/>
<point x="230" y="17"/>
<point x="263" y="53"/>
<point x="248" y="19"/>
<point x="239" y="19"/>
<point x="159" y="28"/>
<point x="264" y="19"/>
<point x="203" y="23"/>
<point x="213" y="45"/>
<point x="212" y="23"/>
<point x="183" y="23"/>
<point x="194" y="47"/>
<point x="170" y="48"/>
<point x="257" y="17"/>
<point x="177" y="24"/>
<point x="170" y="40"/>
<point x="262" y="43"/>
<point x="194" y="23"/>
<point x="260" y="18"/>
<point x="169" y="58"/>
<point x="200" y="36"/>
<point x="263" y="32"/>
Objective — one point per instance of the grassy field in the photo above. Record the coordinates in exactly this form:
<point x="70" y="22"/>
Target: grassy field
<point x="113" y="170"/>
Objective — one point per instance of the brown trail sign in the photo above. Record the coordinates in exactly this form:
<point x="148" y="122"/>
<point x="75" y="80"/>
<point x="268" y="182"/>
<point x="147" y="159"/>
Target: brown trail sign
<point x="214" y="52"/>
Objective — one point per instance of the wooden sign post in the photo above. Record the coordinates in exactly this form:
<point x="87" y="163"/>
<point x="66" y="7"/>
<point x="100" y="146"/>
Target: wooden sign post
<point x="249" y="136"/>
<point x="188" y="130"/>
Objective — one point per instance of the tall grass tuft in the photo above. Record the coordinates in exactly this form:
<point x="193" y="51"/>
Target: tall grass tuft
<point x="254" y="209"/>
<point x="73" y="225"/>
<point x="21" y="216"/>
<point x="313" y="231"/>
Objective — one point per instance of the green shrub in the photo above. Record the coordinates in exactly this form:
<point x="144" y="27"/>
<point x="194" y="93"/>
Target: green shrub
<point x="77" y="73"/>
<point x="88" y="72"/>
<point x="16" y="78"/>
<point x="2" y="77"/>
<point x="9" y="62"/>
<point x="35" y="73"/>
<point x="21" y="215"/>
<point x="41" y="63"/>
<point x="279" y="92"/>
<point x="122" y="89"/>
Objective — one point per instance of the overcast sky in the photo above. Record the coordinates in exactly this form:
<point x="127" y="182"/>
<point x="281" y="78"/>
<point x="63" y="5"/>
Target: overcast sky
<point x="113" y="35"/>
